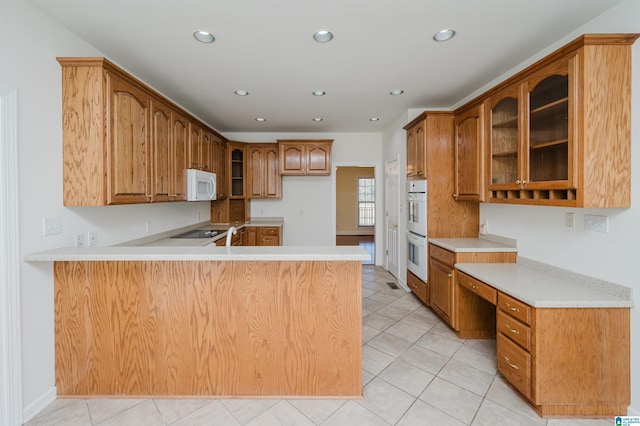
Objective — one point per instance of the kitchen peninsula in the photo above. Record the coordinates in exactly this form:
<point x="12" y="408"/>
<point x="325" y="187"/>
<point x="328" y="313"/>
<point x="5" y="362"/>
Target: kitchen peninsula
<point x="208" y="321"/>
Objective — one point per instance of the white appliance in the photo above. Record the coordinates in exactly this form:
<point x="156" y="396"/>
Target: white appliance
<point x="201" y="186"/>
<point x="417" y="207"/>
<point x="417" y="228"/>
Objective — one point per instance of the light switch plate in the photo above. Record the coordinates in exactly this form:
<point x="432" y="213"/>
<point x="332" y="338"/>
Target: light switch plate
<point x="51" y="226"/>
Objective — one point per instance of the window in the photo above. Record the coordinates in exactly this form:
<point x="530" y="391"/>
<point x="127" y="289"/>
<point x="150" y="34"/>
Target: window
<point x="366" y="202"/>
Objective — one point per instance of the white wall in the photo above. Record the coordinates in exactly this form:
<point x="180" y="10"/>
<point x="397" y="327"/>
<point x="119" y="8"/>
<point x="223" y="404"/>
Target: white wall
<point x="308" y="202"/>
<point x="30" y="44"/>
<point x="540" y="231"/>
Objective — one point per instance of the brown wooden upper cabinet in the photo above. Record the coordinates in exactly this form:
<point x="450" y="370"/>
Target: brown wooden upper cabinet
<point x="305" y="157"/>
<point x="168" y="152"/>
<point x="533" y="156"/>
<point x="416" y="148"/>
<point x="263" y="171"/>
<point x="220" y="166"/>
<point x="123" y="143"/>
<point x="128" y="148"/>
<point x="558" y="132"/>
<point x="237" y="167"/>
<point x="469" y="154"/>
<point x="200" y="148"/>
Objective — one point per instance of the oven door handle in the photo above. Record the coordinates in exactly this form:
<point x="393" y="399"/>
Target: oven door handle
<point x="417" y="240"/>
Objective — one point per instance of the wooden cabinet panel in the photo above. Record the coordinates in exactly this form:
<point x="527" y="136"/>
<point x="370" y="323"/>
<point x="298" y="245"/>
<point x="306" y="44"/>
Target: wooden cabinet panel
<point x="237" y="167"/>
<point x="515" y="364"/>
<point x="220" y="166"/>
<point x="416" y="150"/>
<point x="514" y="308"/>
<point x="418" y="287"/>
<point x="206" y="151"/>
<point x="518" y="332"/>
<point x="162" y="160"/>
<point x="180" y="154"/>
<point x="479" y="288"/>
<point x="469" y="157"/>
<point x="442" y="255"/>
<point x="128" y="153"/>
<point x="263" y="171"/>
<point x="442" y="290"/>
<point x="305" y="157"/>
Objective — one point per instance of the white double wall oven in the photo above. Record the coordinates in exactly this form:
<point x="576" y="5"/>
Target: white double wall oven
<point x="417" y="228"/>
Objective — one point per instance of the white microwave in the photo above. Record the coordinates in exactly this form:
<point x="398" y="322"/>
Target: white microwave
<point x="201" y="186"/>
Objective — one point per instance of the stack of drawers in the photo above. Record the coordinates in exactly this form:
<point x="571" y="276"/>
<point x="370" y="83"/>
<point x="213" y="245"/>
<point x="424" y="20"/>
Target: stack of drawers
<point x="513" y="323"/>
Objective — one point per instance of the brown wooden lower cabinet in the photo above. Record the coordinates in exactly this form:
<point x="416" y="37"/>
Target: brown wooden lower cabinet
<point x="563" y="361"/>
<point x="208" y="328"/>
<point x="418" y="287"/>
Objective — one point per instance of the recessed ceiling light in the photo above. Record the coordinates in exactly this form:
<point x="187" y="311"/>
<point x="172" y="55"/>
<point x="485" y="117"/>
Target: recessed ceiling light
<point x="323" y="36"/>
<point x="204" y="36"/>
<point x="241" y="92"/>
<point x="444" y="35"/>
<point x="396" y="92"/>
<point x="317" y="119"/>
<point x="374" y="119"/>
<point x="260" y="119"/>
<point x="319" y="93"/>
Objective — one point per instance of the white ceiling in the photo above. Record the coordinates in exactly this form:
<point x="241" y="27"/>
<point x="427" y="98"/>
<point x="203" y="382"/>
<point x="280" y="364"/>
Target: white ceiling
<point x="266" y="47"/>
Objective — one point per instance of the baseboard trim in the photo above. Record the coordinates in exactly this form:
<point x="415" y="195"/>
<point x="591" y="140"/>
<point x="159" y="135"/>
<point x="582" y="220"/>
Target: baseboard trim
<point x="33" y="409"/>
<point x="404" y="285"/>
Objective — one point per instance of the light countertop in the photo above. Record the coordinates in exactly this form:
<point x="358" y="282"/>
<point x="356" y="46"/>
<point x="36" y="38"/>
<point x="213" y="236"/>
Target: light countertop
<point x="543" y="286"/>
<point x="203" y="253"/>
<point x="471" y="245"/>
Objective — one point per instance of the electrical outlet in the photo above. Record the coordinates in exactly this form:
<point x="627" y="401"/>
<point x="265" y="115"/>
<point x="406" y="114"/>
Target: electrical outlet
<point x="51" y="226"/>
<point x="92" y="238"/>
<point x="484" y="227"/>
<point x="79" y="240"/>
<point x="570" y="220"/>
<point x="596" y="223"/>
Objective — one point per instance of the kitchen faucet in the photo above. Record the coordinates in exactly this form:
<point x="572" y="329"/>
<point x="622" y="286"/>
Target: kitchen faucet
<point x="232" y="231"/>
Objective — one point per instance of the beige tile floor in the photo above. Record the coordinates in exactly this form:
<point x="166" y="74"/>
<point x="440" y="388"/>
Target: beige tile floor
<point x="415" y="372"/>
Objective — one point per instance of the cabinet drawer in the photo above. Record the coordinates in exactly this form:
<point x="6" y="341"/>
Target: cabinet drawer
<point x="514" y="308"/>
<point x="488" y="293"/>
<point x="417" y="286"/>
<point x="514" y="330"/>
<point x="445" y="256"/>
<point x="270" y="231"/>
<point x="515" y="365"/>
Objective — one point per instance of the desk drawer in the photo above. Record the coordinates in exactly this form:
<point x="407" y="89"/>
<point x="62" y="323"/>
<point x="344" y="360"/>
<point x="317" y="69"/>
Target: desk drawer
<point x="514" y="308"/>
<point x="515" y="365"/>
<point x="445" y="256"/>
<point x="514" y="330"/>
<point x="488" y="293"/>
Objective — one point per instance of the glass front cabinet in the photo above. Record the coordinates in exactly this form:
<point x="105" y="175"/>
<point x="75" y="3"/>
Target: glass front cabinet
<point x="530" y="135"/>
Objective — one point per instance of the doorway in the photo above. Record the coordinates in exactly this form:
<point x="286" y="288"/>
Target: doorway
<point x="391" y="216"/>
<point x="355" y="218"/>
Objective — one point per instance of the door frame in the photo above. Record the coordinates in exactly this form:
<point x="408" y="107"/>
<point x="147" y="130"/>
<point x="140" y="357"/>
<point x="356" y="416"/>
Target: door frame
<point x="378" y="229"/>
<point x="387" y="226"/>
<point x="10" y="343"/>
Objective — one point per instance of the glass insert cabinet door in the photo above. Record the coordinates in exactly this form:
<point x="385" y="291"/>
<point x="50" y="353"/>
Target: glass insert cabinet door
<point x="549" y="130"/>
<point x="529" y="133"/>
<point x="504" y="135"/>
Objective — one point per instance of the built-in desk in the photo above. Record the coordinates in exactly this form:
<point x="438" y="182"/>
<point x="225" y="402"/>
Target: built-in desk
<point x="563" y="339"/>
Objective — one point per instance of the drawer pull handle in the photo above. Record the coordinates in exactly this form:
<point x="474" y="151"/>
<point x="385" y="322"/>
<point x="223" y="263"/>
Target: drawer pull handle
<point x="473" y="286"/>
<point x="513" y="330"/>
<point x="449" y="275"/>
<point x="511" y="308"/>
<point x="515" y="367"/>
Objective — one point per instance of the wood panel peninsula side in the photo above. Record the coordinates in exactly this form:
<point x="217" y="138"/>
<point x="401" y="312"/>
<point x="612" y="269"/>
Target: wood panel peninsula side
<point x="214" y="321"/>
